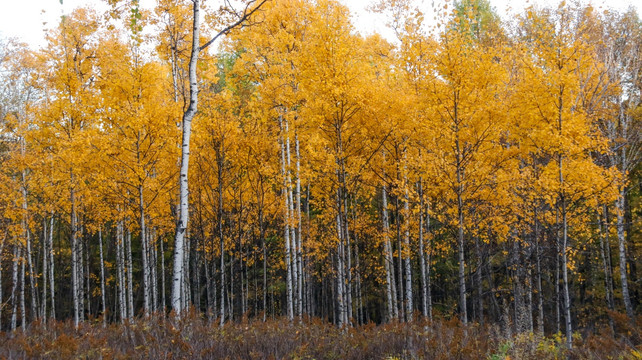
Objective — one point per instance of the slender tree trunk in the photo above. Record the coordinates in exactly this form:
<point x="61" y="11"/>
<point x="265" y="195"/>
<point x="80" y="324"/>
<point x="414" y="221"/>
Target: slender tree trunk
<point x="407" y="250"/>
<point x="144" y="251"/>
<point x="154" y="268"/>
<point x="462" y="264"/>
<point x="478" y="278"/>
<point x="400" y="292"/>
<point x="14" y="300"/>
<point x="360" y="309"/>
<point x="209" y="286"/>
<point x="567" y="299"/>
<point x="230" y="292"/>
<point x="286" y="231"/>
<point x="74" y="259"/>
<point x="299" y="248"/>
<point x="558" y="321"/>
<point x="604" y="238"/>
<point x="43" y="299"/>
<point x="540" y="297"/>
<point x="185" y="288"/>
<point x="130" y="270"/>
<point x="51" y="268"/>
<point x="102" y="276"/>
<point x="626" y="298"/>
<point x="460" y="236"/>
<point x="120" y="270"/>
<point x="422" y="254"/>
<point x="32" y="278"/>
<point x="27" y="234"/>
<point x="23" y="310"/>
<point x="219" y="160"/>
<point x="291" y="217"/>
<point x="181" y="228"/>
<point x="340" y="269"/>
<point x="391" y="287"/>
<point x="81" y="275"/>
<point x="262" y="235"/>
<point x="86" y="296"/>
<point x="163" y="292"/>
<point x="348" y="262"/>
<point x="2" y="243"/>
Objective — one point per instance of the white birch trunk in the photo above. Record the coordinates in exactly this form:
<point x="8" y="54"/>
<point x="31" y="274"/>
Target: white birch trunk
<point x="340" y="271"/>
<point x="74" y="260"/>
<point x="51" y="268"/>
<point x="422" y="254"/>
<point x="181" y="228"/>
<point x="145" y="252"/>
<point x="299" y="245"/>
<point x="23" y="310"/>
<point x="286" y="231"/>
<point x="1" y="294"/>
<point x="540" y="297"/>
<point x="291" y="217"/>
<point x="130" y="268"/>
<point x="154" y="268"/>
<point x="102" y="277"/>
<point x="407" y="251"/>
<point x="391" y="288"/>
<point x="81" y="275"/>
<point x="163" y="300"/>
<point x="220" y="162"/>
<point x="348" y="262"/>
<point x="27" y="234"/>
<point x="564" y="253"/>
<point x="14" y="287"/>
<point x="460" y="236"/>
<point x="621" y="237"/>
<point x="120" y="270"/>
<point x="43" y="299"/>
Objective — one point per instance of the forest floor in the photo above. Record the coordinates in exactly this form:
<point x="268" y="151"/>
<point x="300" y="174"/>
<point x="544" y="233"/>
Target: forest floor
<point x="195" y="338"/>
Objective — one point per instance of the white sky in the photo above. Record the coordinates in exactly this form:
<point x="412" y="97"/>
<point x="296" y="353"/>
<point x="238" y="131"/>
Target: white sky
<point x="27" y="19"/>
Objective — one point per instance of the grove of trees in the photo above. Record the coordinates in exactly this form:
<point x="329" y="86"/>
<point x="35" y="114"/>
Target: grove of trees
<point x="479" y="169"/>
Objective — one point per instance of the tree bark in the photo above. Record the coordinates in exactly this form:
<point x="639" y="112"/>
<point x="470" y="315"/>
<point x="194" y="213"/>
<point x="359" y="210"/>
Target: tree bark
<point x="51" y="268"/>
<point x="181" y="227"/>
<point x="422" y="254"/>
<point x="144" y="251"/>
<point x="102" y="277"/>
<point x="540" y="297"/>
<point x="391" y="288"/>
<point x="2" y="243"/>
<point x="626" y="298"/>
<point x="74" y="258"/>
<point x="565" y="289"/>
<point x="407" y="250"/>
<point x="23" y="310"/>
<point x="43" y="299"/>
<point x="299" y="248"/>
<point x="286" y="230"/>
<point x="130" y="270"/>
<point x="120" y="270"/>
<point x="14" y="287"/>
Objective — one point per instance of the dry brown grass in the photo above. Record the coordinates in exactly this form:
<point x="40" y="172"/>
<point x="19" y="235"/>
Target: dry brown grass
<point x="193" y="337"/>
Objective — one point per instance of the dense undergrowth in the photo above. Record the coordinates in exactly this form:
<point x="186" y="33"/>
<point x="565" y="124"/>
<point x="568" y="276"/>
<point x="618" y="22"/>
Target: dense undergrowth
<point x="195" y="338"/>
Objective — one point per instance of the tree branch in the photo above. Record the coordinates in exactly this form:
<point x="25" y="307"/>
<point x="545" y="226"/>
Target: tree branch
<point x="227" y="29"/>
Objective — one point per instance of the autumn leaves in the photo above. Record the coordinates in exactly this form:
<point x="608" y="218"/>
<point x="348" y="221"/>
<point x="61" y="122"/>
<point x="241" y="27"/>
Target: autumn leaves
<point x="331" y="174"/>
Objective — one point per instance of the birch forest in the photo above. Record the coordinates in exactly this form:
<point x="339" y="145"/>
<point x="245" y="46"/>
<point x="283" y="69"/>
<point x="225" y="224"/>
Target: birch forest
<point x="261" y="164"/>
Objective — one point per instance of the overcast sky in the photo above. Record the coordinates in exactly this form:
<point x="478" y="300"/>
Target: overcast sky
<point x="26" y="19"/>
